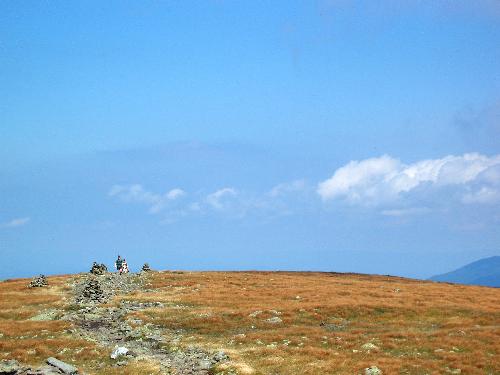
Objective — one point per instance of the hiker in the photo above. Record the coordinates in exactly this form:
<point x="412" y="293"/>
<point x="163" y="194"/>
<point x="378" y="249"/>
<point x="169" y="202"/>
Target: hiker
<point x="124" y="267"/>
<point x="119" y="263"/>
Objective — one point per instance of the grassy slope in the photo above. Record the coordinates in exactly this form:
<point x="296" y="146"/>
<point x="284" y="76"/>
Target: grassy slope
<point x="419" y="327"/>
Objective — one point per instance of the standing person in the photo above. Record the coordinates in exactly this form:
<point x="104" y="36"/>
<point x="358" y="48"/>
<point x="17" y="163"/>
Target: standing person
<point x="119" y="264"/>
<point x="124" y="266"/>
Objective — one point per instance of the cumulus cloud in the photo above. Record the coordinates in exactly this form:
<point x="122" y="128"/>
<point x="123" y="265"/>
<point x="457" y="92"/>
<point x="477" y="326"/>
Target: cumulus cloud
<point x="137" y="194"/>
<point x="18" y="222"/>
<point x="385" y="179"/>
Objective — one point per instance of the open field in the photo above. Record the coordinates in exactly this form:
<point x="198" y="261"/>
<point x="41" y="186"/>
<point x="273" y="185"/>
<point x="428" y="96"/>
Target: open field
<point x="278" y="323"/>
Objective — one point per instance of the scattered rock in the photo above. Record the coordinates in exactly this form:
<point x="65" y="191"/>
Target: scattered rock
<point x="373" y="370"/>
<point x="146" y="267"/>
<point x="38" y="282"/>
<point x="46" y="315"/>
<point x="98" y="269"/>
<point x="369" y="346"/>
<point x="62" y="366"/>
<point x="220" y="356"/>
<point x="119" y="351"/>
<point x="334" y="327"/>
<point x="45" y="370"/>
<point x="274" y="320"/>
<point x="10" y="366"/>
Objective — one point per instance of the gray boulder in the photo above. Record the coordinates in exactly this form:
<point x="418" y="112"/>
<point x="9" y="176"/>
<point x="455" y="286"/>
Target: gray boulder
<point x="10" y="366"/>
<point x="62" y="366"/>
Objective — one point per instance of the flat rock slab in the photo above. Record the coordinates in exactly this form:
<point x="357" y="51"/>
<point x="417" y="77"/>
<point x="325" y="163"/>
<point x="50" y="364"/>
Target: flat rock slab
<point x="9" y="367"/>
<point x="62" y="366"/>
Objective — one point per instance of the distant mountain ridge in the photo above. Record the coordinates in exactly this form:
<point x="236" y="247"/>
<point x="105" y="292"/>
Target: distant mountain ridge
<point x="485" y="272"/>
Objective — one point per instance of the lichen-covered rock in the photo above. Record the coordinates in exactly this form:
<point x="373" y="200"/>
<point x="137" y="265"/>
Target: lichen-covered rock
<point x="38" y="282"/>
<point x="369" y="346"/>
<point x="119" y="351"/>
<point x="274" y="320"/>
<point x="373" y="370"/>
<point x="62" y="366"/>
<point x="10" y="366"/>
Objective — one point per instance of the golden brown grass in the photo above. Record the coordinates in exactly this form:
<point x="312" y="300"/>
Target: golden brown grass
<point x="419" y="327"/>
<point x="32" y="342"/>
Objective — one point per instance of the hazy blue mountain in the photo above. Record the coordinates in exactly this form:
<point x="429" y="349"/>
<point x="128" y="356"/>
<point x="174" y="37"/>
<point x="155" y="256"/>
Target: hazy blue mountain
<point x="484" y="272"/>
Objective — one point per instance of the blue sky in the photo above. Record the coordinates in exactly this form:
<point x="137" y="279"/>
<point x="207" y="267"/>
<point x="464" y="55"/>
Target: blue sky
<point x="302" y="135"/>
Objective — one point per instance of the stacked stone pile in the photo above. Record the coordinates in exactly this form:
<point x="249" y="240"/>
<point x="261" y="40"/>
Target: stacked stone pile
<point x="146" y="267"/>
<point x="98" y="269"/>
<point x="92" y="292"/>
<point x="38" y="282"/>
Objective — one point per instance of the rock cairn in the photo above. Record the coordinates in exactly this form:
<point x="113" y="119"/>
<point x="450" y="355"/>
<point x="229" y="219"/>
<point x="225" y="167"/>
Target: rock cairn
<point x="146" y="267"/>
<point x="92" y="292"/>
<point x="38" y="282"/>
<point x="98" y="269"/>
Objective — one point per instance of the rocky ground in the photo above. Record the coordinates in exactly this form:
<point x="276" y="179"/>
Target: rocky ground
<point x="127" y="339"/>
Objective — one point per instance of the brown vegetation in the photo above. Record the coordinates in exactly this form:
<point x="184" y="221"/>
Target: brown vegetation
<point x="319" y="323"/>
<point x="418" y="327"/>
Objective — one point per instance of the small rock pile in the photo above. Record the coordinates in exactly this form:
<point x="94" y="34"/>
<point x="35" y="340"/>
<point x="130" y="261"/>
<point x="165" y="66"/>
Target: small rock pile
<point x="98" y="269"/>
<point x="92" y="292"/>
<point x="146" y="267"/>
<point x="38" y="282"/>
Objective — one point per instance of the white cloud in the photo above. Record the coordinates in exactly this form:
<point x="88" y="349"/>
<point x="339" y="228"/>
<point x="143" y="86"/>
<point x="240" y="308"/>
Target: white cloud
<point x="137" y="194"/>
<point x="216" y="199"/>
<point x="406" y="211"/>
<point x="287" y="187"/>
<point x="175" y="193"/>
<point x="385" y="179"/>
<point x="18" y="222"/>
<point x="485" y="195"/>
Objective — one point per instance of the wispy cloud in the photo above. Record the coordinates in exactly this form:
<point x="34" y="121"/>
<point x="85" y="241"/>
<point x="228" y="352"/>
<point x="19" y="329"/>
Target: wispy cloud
<point x="385" y="179"/>
<point x="137" y="194"/>
<point x="14" y="223"/>
<point x="485" y="195"/>
<point x="219" y="198"/>
<point x="287" y="187"/>
<point x="226" y="201"/>
<point x="406" y="211"/>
